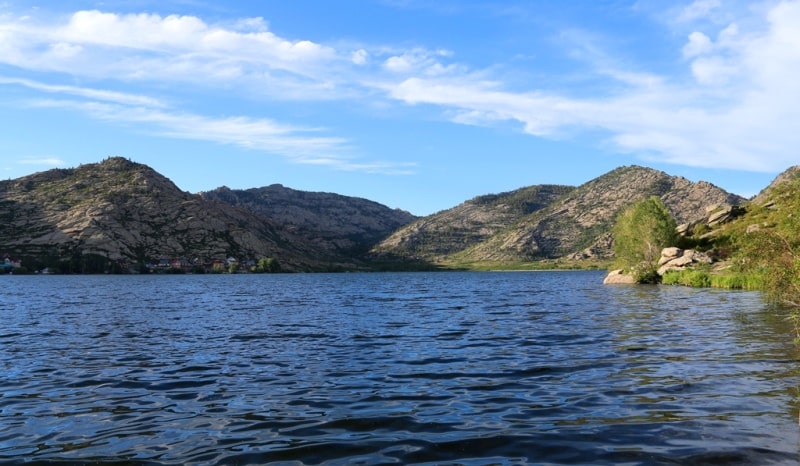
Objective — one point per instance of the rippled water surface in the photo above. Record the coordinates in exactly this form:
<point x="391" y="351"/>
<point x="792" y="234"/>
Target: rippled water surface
<point x="447" y="368"/>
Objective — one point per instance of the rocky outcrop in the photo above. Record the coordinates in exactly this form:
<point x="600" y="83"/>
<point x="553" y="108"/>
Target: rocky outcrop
<point x="716" y="215"/>
<point x="678" y="259"/>
<point x="618" y="277"/>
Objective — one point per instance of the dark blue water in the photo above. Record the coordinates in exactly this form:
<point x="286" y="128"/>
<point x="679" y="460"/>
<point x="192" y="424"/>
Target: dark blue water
<point x="447" y="368"/>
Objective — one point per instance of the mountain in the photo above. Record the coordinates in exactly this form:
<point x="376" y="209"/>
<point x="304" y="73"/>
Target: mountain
<point x="575" y="223"/>
<point x="437" y="236"/>
<point x="338" y="226"/>
<point x="127" y="212"/>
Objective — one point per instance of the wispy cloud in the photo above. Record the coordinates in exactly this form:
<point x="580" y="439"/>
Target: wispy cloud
<point x="299" y="144"/>
<point x="732" y="104"/>
<point x="739" y="111"/>
<point x="48" y="161"/>
<point x="184" y="49"/>
<point x="698" y="9"/>
<point x="95" y="94"/>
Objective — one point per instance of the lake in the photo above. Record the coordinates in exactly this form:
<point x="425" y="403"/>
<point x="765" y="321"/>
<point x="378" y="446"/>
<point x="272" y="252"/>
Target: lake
<point x="391" y="368"/>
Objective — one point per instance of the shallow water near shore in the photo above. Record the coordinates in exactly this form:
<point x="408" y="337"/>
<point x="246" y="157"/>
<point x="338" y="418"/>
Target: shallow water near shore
<point x="396" y="368"/>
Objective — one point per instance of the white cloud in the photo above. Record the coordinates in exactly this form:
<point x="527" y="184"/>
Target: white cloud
<point x="740" y="112"/>
<point x="360" y="57"/>
<point x="699" y="9"/>
<point x="699" y="44"/>
<point x="399" y="64"/>
<point x="163" y="50"/>
<point x="713" y="70"/>
<point x="418" y="61"/>
<point x="102" y="45"/>
<point x="734" y="106"/>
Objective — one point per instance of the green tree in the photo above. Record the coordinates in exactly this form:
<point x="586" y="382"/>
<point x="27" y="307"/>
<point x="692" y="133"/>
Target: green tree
<point x="640" y="233"/>
<point x="267" y="265"/>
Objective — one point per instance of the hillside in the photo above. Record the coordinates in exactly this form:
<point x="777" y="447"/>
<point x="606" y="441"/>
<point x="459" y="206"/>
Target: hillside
<point x="435" y="237"/>
<point x="574" y="224"/>
<point x="126" y="212"/>
<point x="772" y="211"/>
<point x="340" y="226"/>
<point x="757" y="250"/>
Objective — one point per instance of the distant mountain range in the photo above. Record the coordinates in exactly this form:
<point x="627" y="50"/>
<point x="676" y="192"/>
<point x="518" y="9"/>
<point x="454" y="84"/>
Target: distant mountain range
<point x="127" y="213"/>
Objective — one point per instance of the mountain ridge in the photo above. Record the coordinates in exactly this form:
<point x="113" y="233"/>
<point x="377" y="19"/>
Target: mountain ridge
<point x="340" y="225"/>
<point x="124" y="211"/>
<point x="127" y="212"/>
<point x="578" y="223"/>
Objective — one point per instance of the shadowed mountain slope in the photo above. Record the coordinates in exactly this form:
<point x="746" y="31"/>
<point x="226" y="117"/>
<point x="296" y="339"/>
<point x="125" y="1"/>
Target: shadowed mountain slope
<point x="336" y="225"/>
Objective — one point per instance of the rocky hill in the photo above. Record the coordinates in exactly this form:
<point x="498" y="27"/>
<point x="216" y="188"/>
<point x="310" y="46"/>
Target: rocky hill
<point x="340" y="226"/>
<point x="437" y="236"/>
<point x="127" y="212"/>
<point x="574" y="224"/>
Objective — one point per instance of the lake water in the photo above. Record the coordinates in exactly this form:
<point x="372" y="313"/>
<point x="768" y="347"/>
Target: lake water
<point x="396" y="368"/>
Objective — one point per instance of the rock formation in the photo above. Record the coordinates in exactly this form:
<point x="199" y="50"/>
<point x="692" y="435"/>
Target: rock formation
<point x="677" y="259"/>
<point x="618" y="277"/>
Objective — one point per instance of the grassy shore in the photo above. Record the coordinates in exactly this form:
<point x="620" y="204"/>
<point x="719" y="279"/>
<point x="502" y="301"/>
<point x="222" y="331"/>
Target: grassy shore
<point x="728" y="280"/>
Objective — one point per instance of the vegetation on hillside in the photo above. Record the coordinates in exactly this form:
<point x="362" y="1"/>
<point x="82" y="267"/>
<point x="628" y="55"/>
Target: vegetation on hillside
<point x="768" y="246"/>
<point x="758" y="251"/>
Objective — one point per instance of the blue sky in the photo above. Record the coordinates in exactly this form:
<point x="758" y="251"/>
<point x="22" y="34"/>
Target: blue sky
<point x="415" y="104"/>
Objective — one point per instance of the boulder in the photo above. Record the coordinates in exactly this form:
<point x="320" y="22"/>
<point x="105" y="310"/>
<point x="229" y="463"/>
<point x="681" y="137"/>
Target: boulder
<point x="683" y="229"/>
<point x="669" y="254"/>
<point x="723" y="214"/>
<point x="616" y="277"/>
<point x="678" y="259"/>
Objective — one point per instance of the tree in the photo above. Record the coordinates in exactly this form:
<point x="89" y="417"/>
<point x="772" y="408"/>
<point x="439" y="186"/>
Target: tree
<point x="642" y="231"/>
<point x="267" y="265"/>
